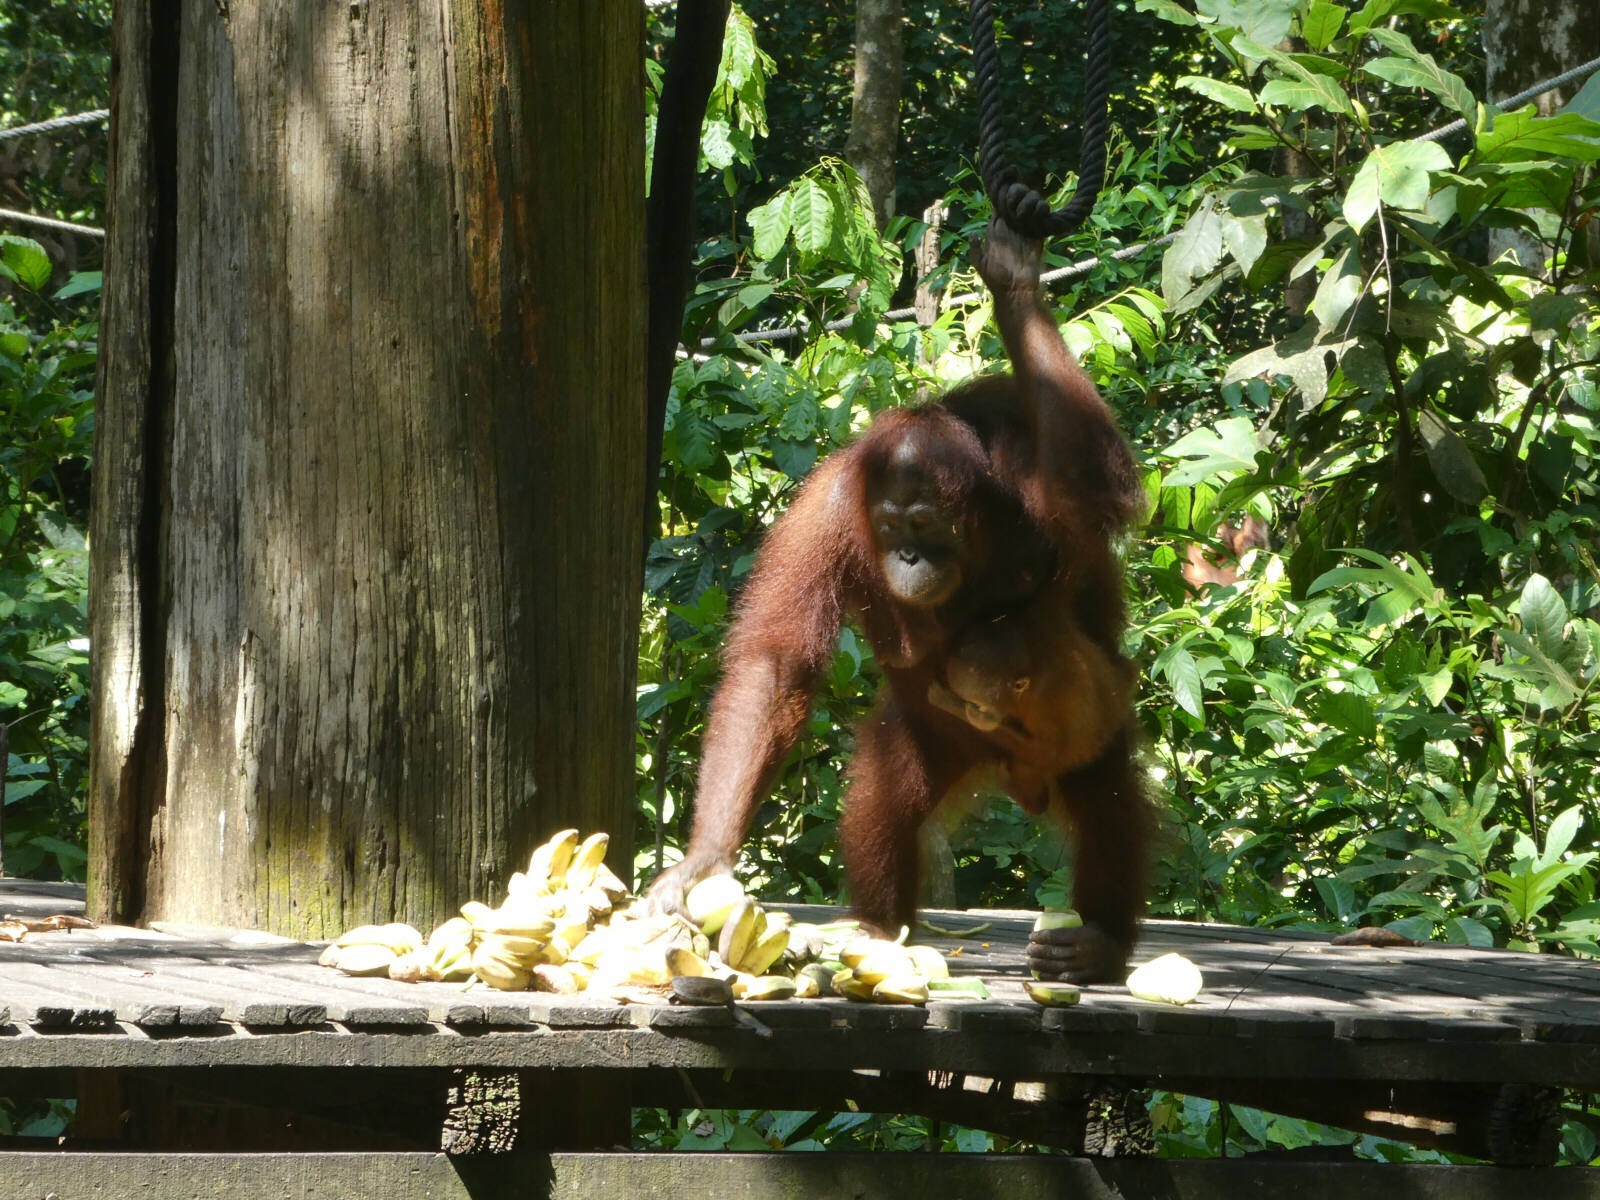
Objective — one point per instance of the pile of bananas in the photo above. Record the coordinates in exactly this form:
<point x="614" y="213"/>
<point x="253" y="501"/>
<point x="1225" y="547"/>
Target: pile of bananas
<point x="548" y="911"/>
<point x="565" y="926"/>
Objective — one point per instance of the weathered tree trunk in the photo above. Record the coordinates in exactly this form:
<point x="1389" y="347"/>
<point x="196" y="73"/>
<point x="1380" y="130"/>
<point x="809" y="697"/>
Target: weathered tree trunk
<point x="367" y="461"/>
<point x="875" y="112"/>
<point x="1526" y="41"/>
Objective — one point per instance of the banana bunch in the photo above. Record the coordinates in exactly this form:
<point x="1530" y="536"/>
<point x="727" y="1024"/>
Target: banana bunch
<point x="573" y="871"/>
<point x="371" y="949"/>
<point x="528" y="940"/>
<point x="882" y="971"/>
<point x="631" y="953"/>
<point x="548" y="911"/>
<point x="445" y="957"/>
<point x="561" y="929"/>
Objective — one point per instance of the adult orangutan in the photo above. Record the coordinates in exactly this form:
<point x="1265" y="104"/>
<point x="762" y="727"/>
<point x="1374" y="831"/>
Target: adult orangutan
<point x="999" y="503"/>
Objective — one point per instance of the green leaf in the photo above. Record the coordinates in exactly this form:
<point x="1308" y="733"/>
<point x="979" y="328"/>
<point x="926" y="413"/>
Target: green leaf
<point x="1544" y="615"/>
<point x="1399" y="174"/>
<point x="1196" y="251"/>
<point x="811" y="216"/>
<point x="1340" y="288"/>
<point x="1183" y="673"/>
<point x="1421" y="71"/>
<point x="1167" y="10"/>
<point x="1338" y="751"/>
<point x="1348" y="713"/>
<point x="1529" y="665"/>
<point x="1451" y="459"/>
<point x="1245" y="238"/>
<point x="1436" y="685"/>
<point x="1321" y="23"/>
<point x="1473" y="933"/>
<point x="1229" y="95"/>
<point x="1262" y="21"/>
<point x="1525" y="135"/>
<point x="1229" y="448"/>
<point x="80" y="283"/>
<point x="1315" y="91"/>
<point x="770" y="224"/>
<point x="1559" y="836"/>
<point x="1587" y="102"/>
<point x="1300" y="356"/>
<point x="24" y="261"/>
<point x="695" y="441"/>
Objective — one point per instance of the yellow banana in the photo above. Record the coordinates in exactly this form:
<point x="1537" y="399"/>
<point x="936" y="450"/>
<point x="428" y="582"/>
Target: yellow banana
<point x="586" y="861"/>
<point x="499" y="967"/>
<point x="765" y="951"/>
<point x="682" y="961"/>
<point x="901" y="989"/>
<point x="743" y="926"/>
<point x="882" y="964"/>
<point x="366" y="958"/>
<point x="853" y="952"/>
<point x="770" y="987"/>
<point x="606" y="879"/>
<point x="1053" y="995"/>
<point x="547" y="977"/>
<point x="540" y="866"/>
<point x="711" y="900"/>
<point x="397" y="936"/>
<point x="930" y="964"/>
<point x="562" y="847"/>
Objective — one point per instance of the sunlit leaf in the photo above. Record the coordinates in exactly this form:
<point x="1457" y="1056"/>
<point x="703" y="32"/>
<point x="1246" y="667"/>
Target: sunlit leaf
<point x="1229" y="95"/>
<point x="1399" y="174"/>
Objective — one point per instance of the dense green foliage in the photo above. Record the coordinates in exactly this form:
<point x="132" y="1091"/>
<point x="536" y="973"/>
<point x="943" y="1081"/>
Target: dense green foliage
<point x="46" y="420"/>
<point x="54" y="60"/>
<point x="1392" y="719"/>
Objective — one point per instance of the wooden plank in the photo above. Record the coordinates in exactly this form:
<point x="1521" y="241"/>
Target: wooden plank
<point x="37" y="898"/>
<point x="1267" y="976"/>
<point x="246" y="998"/>
<point x="1058" y="1051"/>
<point x="858" y="1016"/>
<point x="984" y="1016"/>
<point x="363" y="1003"/>
<point x="93" y="1176"/>
<point x="136" y="999"/>
<point x="36" y="998"/>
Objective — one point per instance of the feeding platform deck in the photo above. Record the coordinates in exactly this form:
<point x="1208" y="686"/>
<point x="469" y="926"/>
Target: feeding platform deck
<point x="242" y="1043"/>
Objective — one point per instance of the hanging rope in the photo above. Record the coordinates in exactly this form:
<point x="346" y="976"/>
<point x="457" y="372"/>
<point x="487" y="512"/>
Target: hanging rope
<point x="83" y="118"/>
<point x="1019" y="205"/>
<point x="7" y="214"/>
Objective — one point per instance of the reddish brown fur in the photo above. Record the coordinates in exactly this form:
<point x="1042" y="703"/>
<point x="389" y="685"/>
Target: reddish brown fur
<point x="1043" y="480"/>
<point x="1222" y="566"/>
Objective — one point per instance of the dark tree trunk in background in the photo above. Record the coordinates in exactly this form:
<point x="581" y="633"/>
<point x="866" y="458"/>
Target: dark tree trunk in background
<point x="681" y="111"/>
<point x="1526" y="41"/>
<point x="367" y="461"/>
<point x="875" y="112"/>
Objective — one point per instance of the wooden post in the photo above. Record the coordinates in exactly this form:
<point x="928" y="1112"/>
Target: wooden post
<point x="366" y="561"/>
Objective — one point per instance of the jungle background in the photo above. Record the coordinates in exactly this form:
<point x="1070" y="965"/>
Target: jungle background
<point x="1383" y="346"/>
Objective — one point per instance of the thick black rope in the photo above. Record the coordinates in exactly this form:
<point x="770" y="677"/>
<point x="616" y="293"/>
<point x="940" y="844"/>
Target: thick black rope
<point x="1019" y="205"/>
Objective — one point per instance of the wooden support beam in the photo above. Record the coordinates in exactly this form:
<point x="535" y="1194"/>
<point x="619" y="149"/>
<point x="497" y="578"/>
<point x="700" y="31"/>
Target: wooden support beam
<point x="93" y="1176"/>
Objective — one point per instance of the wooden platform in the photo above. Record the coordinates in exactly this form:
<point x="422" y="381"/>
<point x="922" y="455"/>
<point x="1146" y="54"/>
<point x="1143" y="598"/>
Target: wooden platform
<point x="1442" y="1045"/>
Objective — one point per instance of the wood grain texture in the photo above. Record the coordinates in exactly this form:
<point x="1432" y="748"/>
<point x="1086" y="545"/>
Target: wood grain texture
<point x="366" y="548"/>
<point x="90" y="1176"/>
